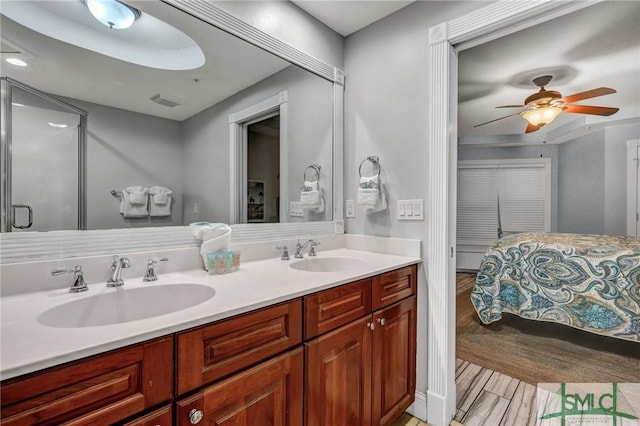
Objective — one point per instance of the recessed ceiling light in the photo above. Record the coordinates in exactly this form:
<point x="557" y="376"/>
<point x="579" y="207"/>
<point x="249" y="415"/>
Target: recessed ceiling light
<point x="17" y="62"/>
<point x="58" y="125"/>
<point x="113" y="13"/>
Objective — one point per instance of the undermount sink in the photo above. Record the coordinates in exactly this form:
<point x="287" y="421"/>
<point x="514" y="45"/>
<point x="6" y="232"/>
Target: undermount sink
<point x="328" y="264"/>
<point x="124" y="305"/>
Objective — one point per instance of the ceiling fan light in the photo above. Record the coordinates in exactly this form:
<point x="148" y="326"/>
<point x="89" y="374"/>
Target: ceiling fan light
<point x="113" y="13"/>
<point x="541" y="116"/>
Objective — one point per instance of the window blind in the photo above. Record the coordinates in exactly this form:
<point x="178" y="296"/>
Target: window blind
<point x="519" y="188"/>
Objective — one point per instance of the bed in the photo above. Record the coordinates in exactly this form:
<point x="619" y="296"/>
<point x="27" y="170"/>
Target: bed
<point x="590" y="282"/>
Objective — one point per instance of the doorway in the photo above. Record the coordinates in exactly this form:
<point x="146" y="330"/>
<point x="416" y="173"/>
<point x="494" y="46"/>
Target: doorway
<point x="43" y="167"/>
<point x="633" y="188"/>
<point x="263" y="169"/>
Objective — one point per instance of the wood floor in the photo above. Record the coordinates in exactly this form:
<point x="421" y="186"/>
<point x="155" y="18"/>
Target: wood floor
<point x="540" y="352"/>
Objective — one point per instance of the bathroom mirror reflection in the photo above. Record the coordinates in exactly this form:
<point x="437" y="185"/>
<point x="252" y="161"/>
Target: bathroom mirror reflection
<point x="170" y="102"/>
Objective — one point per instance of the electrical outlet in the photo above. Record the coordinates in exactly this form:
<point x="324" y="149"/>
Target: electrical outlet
<point x="410" y="209"/>
<point x="350" y="209"/>
<point x="295" y="209"/>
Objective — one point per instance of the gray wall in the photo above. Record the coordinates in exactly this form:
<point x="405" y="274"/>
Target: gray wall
<point x="292" y="25"/>
<point x="206" y="142"/>
<point x="615" y="174"/>
<point x="126" y="148"/>
<point x="386" y="114"/>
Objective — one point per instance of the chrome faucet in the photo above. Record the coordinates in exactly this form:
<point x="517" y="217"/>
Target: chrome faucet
<point x="300" y="248"/>
<point x="116" y="269"/>
<point x="79" y="284"/>
<point x="151" y="270"/>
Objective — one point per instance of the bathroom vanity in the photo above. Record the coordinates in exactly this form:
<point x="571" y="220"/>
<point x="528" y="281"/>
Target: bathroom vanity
<point x="274" y="345"/>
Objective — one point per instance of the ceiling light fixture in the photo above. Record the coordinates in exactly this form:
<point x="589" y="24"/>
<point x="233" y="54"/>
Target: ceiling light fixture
<point x="113" y="13"/>
<point x="58" y="125"/>
<point x="541" y="116"/>
<point x="17" y="62"/>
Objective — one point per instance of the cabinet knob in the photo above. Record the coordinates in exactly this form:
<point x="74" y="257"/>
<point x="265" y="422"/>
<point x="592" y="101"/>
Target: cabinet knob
<point x="382" y="321"/>
<point x="195" y="416"/>
<point x="371" y="325"/>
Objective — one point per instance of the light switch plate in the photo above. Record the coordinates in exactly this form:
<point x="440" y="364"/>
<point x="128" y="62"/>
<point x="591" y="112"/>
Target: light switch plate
<point x="349" y="208"/>
<point x="295" y="209"/>
<point x="410" y="209"/>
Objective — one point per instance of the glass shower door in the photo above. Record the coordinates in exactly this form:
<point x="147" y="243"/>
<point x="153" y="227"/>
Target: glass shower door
<point x="45" y="188"/>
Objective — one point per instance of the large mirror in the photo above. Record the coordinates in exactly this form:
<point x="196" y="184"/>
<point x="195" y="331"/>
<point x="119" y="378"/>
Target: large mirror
<point x="173" y="104"/>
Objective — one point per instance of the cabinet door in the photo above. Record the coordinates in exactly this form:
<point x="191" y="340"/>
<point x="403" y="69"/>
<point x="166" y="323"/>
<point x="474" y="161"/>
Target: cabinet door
<point x="338" y="376"/>
<point x="394" y="361"/>
<point x="159" y="417"/>
<point x="268" y="394"/>
<point x="209" y="353"/>
<point x="100" y="390"/>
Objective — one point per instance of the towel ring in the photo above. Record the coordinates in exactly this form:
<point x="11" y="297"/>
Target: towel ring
<point x="373" y="160"/>
<point x="316" y="169"/>
<point x="116" y="193"/>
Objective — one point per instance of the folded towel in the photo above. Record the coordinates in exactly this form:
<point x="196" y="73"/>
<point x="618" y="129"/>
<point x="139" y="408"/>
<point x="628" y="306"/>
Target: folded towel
<point x="310" y="186"/>
<point x="137" y="207"/>
<point x="215" y="237"/>
<point x="138" y="195"/>
<point x="369" y="182"/>
<point x="160" y="201"/>
<point x="371" y="195"/>
<point x="310" y="199"/>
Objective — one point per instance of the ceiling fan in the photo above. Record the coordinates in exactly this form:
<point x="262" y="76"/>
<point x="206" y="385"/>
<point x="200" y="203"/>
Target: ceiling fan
<point x="545" y="105"/>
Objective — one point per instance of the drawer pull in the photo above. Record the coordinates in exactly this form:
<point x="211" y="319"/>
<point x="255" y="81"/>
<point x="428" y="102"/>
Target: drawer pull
<point x="195" y="416"/>
<point x="371" y="325"/>
<point x="382" y="321"/>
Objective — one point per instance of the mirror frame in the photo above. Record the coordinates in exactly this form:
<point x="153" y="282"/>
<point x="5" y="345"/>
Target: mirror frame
<point x="30" y="246"/>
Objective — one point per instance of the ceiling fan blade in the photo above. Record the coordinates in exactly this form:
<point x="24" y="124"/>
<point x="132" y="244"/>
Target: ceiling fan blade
<point x="531" y="128"/>
<point x="506" y="116"/>
<point x="511" y="106"/>
<point x="600" y="91"/>
<point x="587" y="109"/>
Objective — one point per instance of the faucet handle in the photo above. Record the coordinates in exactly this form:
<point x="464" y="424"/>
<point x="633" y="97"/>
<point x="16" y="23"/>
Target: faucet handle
<point x="151" y="271"/>
<point x="79" y="284"/>
<point x="285" y="252"/>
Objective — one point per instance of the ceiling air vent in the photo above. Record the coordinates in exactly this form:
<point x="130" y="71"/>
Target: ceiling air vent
<point x="166" y="100"/>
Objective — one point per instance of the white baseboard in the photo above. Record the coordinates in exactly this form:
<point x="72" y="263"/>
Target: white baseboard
<point x="438" y="413"/>
<point x="419" y="407"/>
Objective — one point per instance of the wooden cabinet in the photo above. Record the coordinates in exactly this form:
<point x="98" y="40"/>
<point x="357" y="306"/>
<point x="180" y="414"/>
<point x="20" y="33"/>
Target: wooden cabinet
<point x="362" y="373"/>
<point x="100" y="390"/>
<point x="215" y="351"/>
<point x="160" y="417"/>
<point x="356" y="368"/>
<point x="267" y="394"/>
<point x="394" y="361"/>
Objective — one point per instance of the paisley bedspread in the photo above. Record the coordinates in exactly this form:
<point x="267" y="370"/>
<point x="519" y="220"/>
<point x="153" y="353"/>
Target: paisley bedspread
<point x="590" y="282"/>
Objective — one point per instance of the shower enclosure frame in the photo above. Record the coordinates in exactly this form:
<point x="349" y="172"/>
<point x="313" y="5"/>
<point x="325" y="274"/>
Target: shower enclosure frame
<point x="6" y="216"/>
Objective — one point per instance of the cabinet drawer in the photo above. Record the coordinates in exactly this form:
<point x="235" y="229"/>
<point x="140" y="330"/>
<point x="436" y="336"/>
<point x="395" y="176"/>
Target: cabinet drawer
<point x="268" y="394"/>
<point x="394" y="286"/>
<point x="160" y="417"/>
<point x="212" y="352"/>
<point x="99" y="390"/>
<point x="329" y="309"/>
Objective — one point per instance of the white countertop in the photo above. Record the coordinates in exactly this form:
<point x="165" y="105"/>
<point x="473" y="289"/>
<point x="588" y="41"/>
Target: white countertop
<point x="27" y="345"/>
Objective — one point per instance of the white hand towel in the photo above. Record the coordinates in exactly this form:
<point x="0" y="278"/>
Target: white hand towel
<point x="138" y="195"/>
<point x="160" y="201"/>
<point x="320" y="207"/>
<point x="369" y="182"/>
<point x="368" y="198"/>
<point x="310" y="186"/>
<point x="135" y="209"/>
<point x="310" y="199"/>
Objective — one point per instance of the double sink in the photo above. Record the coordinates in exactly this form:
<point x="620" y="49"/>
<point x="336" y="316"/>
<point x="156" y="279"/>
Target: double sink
<point x="123" y="304"/>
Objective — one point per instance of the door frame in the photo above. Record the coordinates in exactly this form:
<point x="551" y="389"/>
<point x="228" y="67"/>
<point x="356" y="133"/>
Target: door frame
<point x="238" y="154"/>
<point x="445" y="40"/>
<point x="6" y="88"/>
